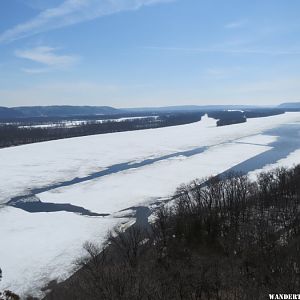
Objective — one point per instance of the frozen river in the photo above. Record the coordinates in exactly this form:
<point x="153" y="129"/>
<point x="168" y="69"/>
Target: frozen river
<point x="85" y="182"/>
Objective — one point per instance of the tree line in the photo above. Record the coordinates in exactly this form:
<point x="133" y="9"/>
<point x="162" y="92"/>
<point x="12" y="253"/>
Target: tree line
<point x="223" y="238"/>
<point x="229" y="117"/>
<point x="13" y="135"/>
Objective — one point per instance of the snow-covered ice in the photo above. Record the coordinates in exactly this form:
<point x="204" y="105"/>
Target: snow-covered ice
<point x="288" y="162"/>
<point x="36" y="165"/>
<point x="38" y="248"/>
<point x="70" y="124"/>
<point x="124" y="189"/>
<point x="258" y="139"/>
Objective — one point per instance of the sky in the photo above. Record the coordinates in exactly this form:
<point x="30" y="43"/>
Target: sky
<point x="138" y="53"/>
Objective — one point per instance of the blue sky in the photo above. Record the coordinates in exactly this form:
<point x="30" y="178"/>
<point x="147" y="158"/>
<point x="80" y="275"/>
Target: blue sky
<point x="134" y="53"/>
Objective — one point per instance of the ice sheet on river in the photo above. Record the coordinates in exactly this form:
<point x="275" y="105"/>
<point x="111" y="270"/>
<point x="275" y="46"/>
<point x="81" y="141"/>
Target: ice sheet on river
<point x="36" y="165"/>
<point x="36" y="248"/>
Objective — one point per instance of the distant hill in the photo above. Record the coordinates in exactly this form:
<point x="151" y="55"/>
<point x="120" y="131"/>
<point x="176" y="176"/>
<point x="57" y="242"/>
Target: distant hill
<point x="290" y="105"/>
<point x="55" y="111"/>
<point x="8" y="113"/>
<point x="71" y="111"/>
<point x="187" y="108"/>
<point x="62" y="111"/>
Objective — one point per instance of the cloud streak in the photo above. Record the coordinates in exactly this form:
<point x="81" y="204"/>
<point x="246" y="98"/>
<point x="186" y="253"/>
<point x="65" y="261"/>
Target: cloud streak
<point x="236" y="24"/>
<point x="47" y="57"/>
<point x="258" y="51"/>
<point x="71" y="12"/>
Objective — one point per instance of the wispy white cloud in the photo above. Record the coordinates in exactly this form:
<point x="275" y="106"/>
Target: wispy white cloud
<point x="47" y="57"/>
<point x="70" y="92"/>
<point x="260" y="91"/>
<point x="70" y="12"/>
<point x="36" y="71"/>
<point x="221" y="72"/>
<point x="227" y="50"/>
<point x="236" y="24"/>
<point x="40" y="4"/>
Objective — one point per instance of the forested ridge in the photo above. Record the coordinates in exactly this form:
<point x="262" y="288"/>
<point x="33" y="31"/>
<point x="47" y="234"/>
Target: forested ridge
<point x="223" y="238"/>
